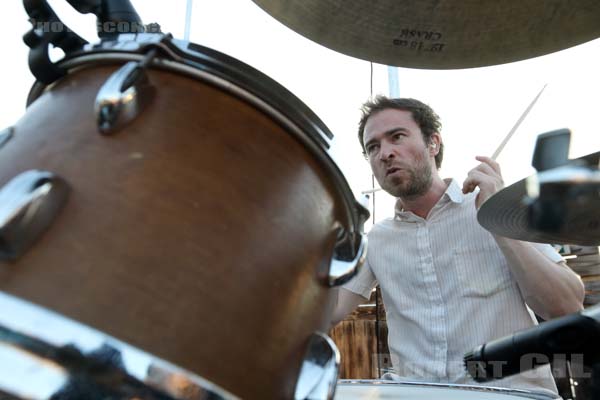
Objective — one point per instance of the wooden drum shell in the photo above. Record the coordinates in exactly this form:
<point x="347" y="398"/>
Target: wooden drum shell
<point x="197" y="233"/>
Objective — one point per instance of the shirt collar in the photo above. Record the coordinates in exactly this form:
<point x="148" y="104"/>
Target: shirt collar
<point x="453" y="193"/>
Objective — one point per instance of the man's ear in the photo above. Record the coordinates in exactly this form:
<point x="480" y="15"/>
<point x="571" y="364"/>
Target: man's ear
<point x="434" y="143"/>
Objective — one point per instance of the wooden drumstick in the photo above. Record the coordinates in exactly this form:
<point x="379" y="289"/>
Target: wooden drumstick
<point x="517" y="124"/>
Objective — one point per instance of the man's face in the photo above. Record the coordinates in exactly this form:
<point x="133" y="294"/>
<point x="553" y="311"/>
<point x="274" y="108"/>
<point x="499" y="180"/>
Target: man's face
<point x="400" y="159"/>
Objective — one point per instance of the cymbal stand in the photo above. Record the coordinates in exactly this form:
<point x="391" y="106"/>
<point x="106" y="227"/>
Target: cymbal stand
<point x="47" y="29"/>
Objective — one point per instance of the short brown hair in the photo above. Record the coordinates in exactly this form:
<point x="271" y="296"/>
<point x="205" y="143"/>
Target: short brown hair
<point x="428" y="121"/>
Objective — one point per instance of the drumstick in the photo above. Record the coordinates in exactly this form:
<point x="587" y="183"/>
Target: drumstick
<point x="514" y="128"/>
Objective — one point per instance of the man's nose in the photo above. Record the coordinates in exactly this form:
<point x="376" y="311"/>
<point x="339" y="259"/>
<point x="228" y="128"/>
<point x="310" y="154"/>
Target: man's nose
<point x="386" y="151"/>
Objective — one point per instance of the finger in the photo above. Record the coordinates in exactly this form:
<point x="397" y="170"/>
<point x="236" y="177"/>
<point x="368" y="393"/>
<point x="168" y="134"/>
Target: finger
<point x="486" y="183"/>
<point x="488" y="161"/>
<point x="476" y="178"/>
<point x="468" y="188"/>
<point x="487" y="169"/>
<point x="470" y="184"/>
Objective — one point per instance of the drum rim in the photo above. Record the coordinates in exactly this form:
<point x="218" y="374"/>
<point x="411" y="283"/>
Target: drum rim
<point x="80" y="337"/>
<point x="240" y="80"/>
<point x="524" y="393"/>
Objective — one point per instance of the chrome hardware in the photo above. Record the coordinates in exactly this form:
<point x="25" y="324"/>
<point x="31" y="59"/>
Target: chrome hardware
<point x="344" y="266"/>
<point x="41" y="352"/>
<point x="28" y="205"/>
<point x="124" y="95"/>
<point x="6" y="135"/>
<point x="592" y="312"/>
<point x="319" y="372"/>
<point x="570" y="176"/>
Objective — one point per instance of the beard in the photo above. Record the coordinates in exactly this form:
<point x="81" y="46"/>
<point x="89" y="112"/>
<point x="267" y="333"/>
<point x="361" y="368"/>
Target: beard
<point x="417" y="183"/>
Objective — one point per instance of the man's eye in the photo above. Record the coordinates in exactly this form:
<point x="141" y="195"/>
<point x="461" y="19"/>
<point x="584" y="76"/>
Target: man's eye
<point x="397" y="136"/>
<point x="372" y="149"/>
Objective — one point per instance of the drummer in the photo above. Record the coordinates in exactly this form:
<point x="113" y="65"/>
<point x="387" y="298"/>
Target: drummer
<point x="448" y="285"/>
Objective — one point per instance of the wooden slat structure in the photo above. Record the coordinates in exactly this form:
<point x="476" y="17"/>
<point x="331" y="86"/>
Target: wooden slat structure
<point x="586" y="263"/>
<point x="362" y="341"/>
<point x="355" y="337"/>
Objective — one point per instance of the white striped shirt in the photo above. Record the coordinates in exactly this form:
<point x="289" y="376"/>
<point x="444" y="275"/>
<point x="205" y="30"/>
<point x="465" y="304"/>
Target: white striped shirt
<point x="447" y="288"/>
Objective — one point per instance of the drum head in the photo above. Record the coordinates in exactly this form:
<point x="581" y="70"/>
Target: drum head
<point x="386" y="390"/>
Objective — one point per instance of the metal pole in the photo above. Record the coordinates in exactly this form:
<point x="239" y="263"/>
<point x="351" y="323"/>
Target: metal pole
<point x="188" y="20"/>
<point x="393" y="82"/>
<point x="394" y="91"/>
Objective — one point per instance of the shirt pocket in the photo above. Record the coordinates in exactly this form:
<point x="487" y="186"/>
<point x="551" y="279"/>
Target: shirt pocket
<point x="481" y="271"/>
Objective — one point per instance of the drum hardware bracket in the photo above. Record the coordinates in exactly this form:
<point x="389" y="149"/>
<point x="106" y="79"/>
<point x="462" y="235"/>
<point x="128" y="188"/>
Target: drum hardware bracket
<point x="6" y="135"/>
<point x="112" y="16"/>
<point x="140" y="43"/>
<point x="551" y="150"/>
<point x="320" y="369"/>
<point x="558" y="182"/>
<point x="347" y="259"/>
<point x="124" y="95"/>
<point x="29" y="203"/>
<point x="47" y="30"/>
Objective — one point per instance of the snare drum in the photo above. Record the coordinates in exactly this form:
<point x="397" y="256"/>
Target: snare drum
<point x="388" y="390"/>
<point x="174" y="198"/>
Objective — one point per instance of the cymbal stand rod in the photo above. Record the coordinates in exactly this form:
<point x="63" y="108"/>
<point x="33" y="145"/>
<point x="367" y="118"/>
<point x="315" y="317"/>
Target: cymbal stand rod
<point x="188" y="20"/>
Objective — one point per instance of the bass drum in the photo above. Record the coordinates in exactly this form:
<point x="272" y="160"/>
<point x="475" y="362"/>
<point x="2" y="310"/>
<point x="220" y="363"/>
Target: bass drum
<point x="197" y="214"/>
<point x="388" y="390"/>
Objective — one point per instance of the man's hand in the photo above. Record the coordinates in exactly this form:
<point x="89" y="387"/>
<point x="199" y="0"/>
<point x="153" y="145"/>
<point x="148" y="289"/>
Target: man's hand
<point x="487" y="177"/>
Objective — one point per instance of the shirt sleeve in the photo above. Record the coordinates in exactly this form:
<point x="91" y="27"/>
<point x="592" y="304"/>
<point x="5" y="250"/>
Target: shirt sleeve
<point x="548" y="251"/>
<point x="364" y="281"/>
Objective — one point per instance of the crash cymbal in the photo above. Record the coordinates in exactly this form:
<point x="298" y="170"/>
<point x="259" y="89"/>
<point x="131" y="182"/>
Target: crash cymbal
<point x="441" y="34"/>
<point x="560" y="206"/>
